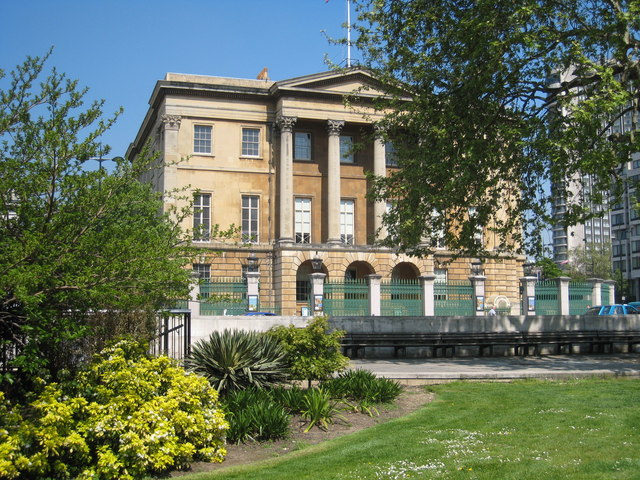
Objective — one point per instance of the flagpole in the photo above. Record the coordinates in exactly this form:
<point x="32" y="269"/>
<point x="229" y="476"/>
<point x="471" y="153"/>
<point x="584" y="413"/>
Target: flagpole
<point x="348" y="33"/>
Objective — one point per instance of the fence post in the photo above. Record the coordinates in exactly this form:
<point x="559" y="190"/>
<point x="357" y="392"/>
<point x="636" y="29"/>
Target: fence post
<point x="253" y="290"/>
<point x="563" y="295"/>
<point x="194" y="293"/>
<point x="528" y="301"/>
<point x="596" y="291"/>
<point x="477" y="281"/>
<point x="374" y="294"/>
<point x="428" y="296"/>
<point x="317" y="293"/>
<point x="611" y="285"/>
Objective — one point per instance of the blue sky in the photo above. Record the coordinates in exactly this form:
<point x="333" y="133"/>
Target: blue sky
<point x="120" y="48"/>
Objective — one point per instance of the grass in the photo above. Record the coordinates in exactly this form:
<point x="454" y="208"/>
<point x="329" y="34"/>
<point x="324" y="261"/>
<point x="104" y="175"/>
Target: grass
<point x="577" y="429"/>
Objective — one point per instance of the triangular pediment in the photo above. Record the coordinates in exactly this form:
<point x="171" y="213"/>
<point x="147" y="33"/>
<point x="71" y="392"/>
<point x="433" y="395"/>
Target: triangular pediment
<point x="334" y="82"/>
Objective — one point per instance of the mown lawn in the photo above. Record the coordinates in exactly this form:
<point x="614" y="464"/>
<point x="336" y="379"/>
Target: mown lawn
<point x="577" y="429"/>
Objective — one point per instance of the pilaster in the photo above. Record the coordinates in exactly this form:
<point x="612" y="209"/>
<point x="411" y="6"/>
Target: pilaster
<point x="428" y="295"/>
<point x="253" y="289"/>
<point x="170" y="126"/>
<point x="285" y="124"/>
<point x="374" y="294"/>
<point x="380" y="170"/>
<point x="334" y="127"/>
<point x="477" y="281"/>
<point x="317" y="292"/>
<point x="528" y="306"/>
<point x="596" y="291"/>
<point x="563" y="295"/>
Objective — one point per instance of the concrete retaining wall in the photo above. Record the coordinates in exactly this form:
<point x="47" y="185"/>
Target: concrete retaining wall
<point x="501" y="323"/>
<point x="202" y="327"/>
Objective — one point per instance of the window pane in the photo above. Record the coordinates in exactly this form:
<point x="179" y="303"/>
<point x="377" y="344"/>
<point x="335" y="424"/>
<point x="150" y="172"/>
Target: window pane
<point x="391" y="158"/>
<point x="202" y="269"/>
<point x="346" y="149"/>
<point x="347" y="221"/>
<point x="250" y="222"/>
<point x="302" y="146"/>
<point x="202" y="216"/>
<point x="202" y="138"/>
<point x="250" y="142"/>
<point x="303" y="220"/>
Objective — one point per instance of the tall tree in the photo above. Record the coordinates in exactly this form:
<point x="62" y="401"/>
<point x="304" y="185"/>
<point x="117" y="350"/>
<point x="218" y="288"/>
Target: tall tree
<point x="590" y="261"/>
<point x="489" y="102"/>
<point x="73" y="239"/>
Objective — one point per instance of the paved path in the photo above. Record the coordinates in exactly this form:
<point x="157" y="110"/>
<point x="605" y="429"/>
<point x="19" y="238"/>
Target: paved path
<point x="502" y="368"/>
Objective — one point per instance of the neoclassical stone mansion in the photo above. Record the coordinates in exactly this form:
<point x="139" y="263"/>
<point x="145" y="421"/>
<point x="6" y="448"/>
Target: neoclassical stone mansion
<point x="276" y="159"/>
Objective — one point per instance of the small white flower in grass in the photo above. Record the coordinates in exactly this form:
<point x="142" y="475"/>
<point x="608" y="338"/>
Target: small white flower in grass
<point x="407" y="469"/>
<point x="552" y="410"/>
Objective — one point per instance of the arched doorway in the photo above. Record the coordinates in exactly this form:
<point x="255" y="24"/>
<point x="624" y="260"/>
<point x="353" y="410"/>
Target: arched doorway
<point x="405" y="271"/>
<point x="303" y="282"/>
<point x="402" y="294"/>
<point x="358" y="270"/>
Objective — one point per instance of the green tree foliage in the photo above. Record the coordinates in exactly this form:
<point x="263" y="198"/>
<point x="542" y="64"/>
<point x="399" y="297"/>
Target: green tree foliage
<point x="238" y="359"/>
<point x="73" y="238"/>
<point x="549" y="269"/>
<point x="127" y="416"/>
<point x="490" y="124"/>
<point x="590" y="262"/>
<point x="313" y="352"/>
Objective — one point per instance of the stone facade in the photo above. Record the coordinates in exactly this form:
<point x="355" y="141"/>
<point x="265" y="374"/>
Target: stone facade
<point x="256" y="150"/>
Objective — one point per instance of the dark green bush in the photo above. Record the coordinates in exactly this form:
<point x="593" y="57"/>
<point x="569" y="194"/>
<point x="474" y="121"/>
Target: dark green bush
<point x="319" y="409"/>
<point x="291" y="398"/>
<point x="362" y="386"/>
<point x="254" y="415"/>
<point x="237" y="359"/>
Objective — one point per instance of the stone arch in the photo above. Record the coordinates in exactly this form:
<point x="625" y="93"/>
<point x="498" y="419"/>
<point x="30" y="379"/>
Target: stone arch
<point x="405" y="271"/>
<point x="358" y="269"/>
<point x="362" y="257"/>
<point x="303" y="281"/>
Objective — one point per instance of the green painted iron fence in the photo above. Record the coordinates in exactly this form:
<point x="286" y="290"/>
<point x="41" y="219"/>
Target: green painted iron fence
<point x="400" y="297"/>
<point x="579" y="297"/>
<point x="346" y="297"/>
<point x="453" y="298"/>
<point x="547" y="298"/>
<point x="223" y="296"/>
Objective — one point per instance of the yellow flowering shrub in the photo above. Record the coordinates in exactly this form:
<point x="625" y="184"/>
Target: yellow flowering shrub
<point x="127" y="416"/>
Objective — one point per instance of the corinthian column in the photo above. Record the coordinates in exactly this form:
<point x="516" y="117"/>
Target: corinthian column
<point x="380" y="170"/>
<point x="333" y="181"/>
<point x="285" y="124"/>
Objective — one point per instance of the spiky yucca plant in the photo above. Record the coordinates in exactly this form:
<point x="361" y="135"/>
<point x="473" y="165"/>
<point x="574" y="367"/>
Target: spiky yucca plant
<point x="237" y="359"/>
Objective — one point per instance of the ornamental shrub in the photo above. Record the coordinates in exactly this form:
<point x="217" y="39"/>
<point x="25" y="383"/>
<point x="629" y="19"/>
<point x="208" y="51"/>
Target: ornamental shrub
<point x="127" y="416"/>
<point x="254" y="415"/>
<point x="238" y="359"/>
<point x="362" y="386"/>
<point x="313" y="352"/>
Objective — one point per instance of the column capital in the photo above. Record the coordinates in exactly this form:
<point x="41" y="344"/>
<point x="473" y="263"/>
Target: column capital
<point x="380" y="131"/>
<point x="334" y="127"/>
<point x="285" y="124"/>
<point x="170" y="122"/>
